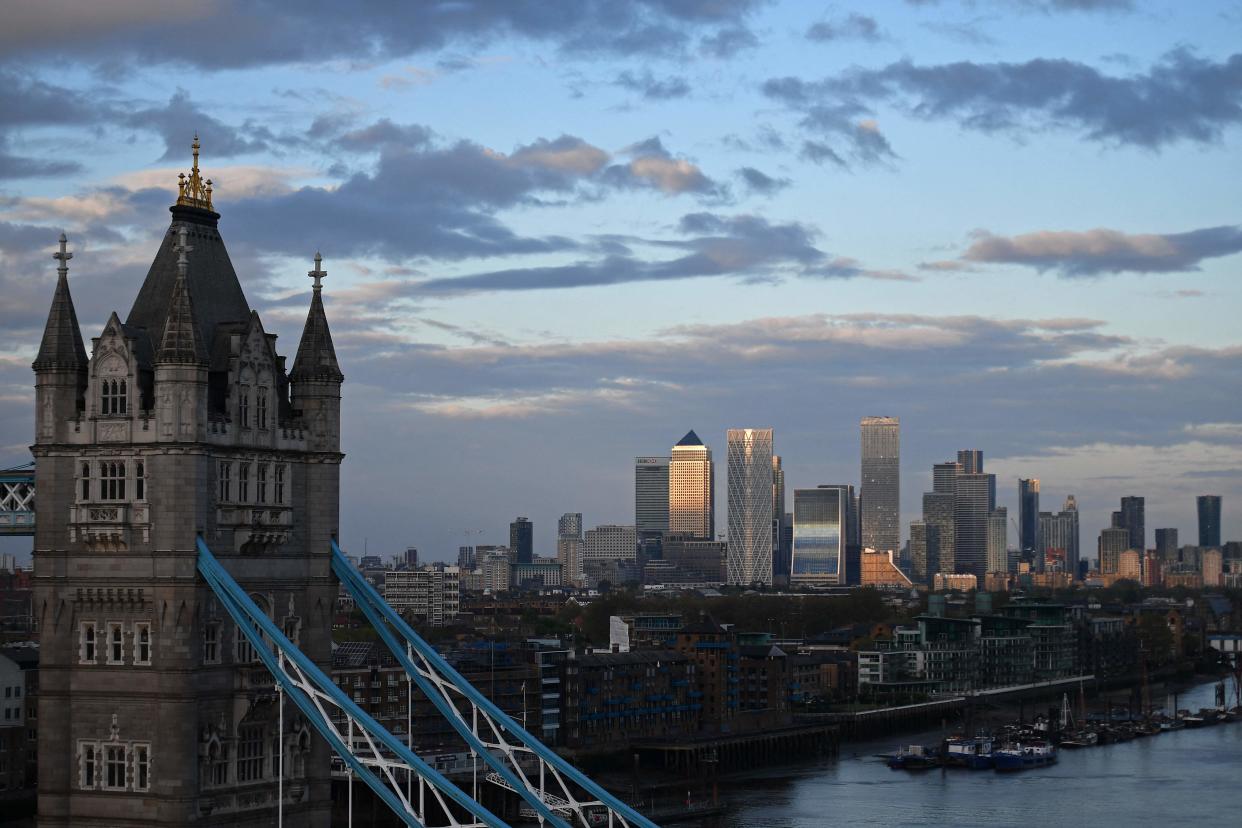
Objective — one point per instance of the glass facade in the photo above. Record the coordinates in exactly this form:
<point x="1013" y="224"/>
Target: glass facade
<point x="880" y="492"/>
<point x="818" y="535"/>
<point x="750" y="506"/>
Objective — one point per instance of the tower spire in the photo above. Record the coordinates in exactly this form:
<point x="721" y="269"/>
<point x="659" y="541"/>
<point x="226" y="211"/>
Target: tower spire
<point x="193" y="191"/>
<point x="180" y="342"/>
<point x="62" y="338"/>
<point x="316" y="358"/>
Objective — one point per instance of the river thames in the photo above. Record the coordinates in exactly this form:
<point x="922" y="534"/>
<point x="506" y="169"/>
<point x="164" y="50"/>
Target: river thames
<point x="1178" y="778"/>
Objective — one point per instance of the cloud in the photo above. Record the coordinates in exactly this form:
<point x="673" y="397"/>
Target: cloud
<point x="728" y="42"/>
<point x="761" y="183"/>
<point x="1182" y="98"/>
<point x="854" y="27"/>
<point x="1099" y="251"/>
<point x="659" y="89"/>
<point x="230" y="34"/>
<point x="653" y="166"/>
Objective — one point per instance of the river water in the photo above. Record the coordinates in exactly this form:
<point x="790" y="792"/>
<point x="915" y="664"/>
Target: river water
<point x="1182" y="777"/>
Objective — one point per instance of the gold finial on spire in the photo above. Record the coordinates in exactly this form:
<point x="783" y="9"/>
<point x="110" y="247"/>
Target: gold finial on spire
<point x="192" y="191"/>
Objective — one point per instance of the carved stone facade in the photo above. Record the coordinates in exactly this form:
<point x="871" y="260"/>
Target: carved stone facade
<point x="183" y="422"/>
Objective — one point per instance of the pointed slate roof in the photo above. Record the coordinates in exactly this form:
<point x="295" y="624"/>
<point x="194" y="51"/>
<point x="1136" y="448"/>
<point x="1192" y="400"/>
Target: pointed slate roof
<point x="181" y="343"/>
<point x="62" y="337"/>
<point x="218" y="296"/>
<point x="316" y="358"/>
<point x="691" y="439"/>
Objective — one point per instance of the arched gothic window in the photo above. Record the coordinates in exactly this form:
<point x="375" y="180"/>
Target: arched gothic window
<point x="113" y="397"/>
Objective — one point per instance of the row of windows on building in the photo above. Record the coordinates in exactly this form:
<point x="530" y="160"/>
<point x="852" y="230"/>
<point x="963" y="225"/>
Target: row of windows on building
<point x="110" y="480"/>
<point x="109" y="639"/>
<point x="243" y="649"/>
<point x="268" y="479"/>
<point x="114" y="766"/>
<point x="114" y="400"/>
<point x="258" y="757"/>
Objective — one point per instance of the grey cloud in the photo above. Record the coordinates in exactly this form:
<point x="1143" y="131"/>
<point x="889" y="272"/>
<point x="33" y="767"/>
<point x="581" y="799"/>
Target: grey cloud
<point x="236" y="34"/>
<point x="173" y="120"/>
<point x="660" y="89"/>
<point x="741" y="247"/>
<point x="728" y="42"/>
<point x="1181" y="98"/>
<point x="854" y="27"/>
<point x="1094" y="252"/>
<point x="761" y="183"/>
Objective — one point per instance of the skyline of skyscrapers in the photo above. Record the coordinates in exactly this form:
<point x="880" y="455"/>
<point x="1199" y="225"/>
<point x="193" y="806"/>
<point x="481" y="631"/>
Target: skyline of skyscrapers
<point x="880" y="483"/>
<point x="819" y="533"/>
<point x="749" y="479"/>
<point x="692" y="489"/>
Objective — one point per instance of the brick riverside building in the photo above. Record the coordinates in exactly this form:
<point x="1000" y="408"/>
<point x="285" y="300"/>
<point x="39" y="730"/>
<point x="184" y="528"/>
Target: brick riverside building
<point x="153" y="708"/>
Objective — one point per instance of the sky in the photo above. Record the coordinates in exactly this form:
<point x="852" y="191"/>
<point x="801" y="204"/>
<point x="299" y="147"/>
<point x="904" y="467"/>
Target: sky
<point x="559" y="235"/>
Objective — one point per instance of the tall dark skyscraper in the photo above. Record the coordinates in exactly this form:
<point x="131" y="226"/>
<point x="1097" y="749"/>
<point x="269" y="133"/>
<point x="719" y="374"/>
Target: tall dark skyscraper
<point x="780" y="555"/>
<point x="522" y="540"/>
<point x="1209" y="520"/>
<point x="650" y="497"/>
<point x="938" y="513"/>
<point x="881" y="479"/>
<point x="1028" y="519"/>
<point x="1134" y="521"/>
<point x="974" y="499"/>
<point x="1166" y="545"/>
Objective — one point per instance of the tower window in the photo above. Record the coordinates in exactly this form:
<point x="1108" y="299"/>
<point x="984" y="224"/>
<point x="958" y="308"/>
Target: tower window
<point x="218" y="760"/>
<point x="260" y="407"/>
<point x="113" y="396"/>
<point x="86" y="481"/>
<point x="250" y="744"/>
<point x="86" y="652"/>
<point x="260" y="483"/>
<point x="142" y="767"/>
<point x="116" y="646"/>
<point x="243" y="406"/>
<point x="114" y="767"/>
<point x="140" y="480"/>
<point x="88" y="769"/>
<point x="279" y="495"/>
<point x="111" y="481"/>
<point x="226" y="481"/>
<point x="211" y="644"/>
<point x="243" y="482"/>
<point x="142" y="643"/>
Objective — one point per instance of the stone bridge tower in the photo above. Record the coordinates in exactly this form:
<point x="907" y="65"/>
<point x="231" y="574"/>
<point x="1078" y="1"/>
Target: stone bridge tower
<point x="153" y="709"/>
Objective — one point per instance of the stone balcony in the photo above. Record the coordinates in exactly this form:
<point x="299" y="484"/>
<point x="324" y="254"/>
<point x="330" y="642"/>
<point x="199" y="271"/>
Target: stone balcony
<point x="257" y="529"/>
<point x="109" y="527"/>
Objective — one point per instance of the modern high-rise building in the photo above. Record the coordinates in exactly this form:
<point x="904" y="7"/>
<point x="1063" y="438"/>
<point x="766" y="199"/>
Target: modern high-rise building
<point x="971" y="461"/>
<point x="569" y="546"/>
<point x="522" y="540"/>
<point x="1166" y="545"/>
<point x="691" y="489"/>
<point x="998" y="540"/>
<point x="974" y="499"/>
<point x="938" y="511"/>
<point x="1028" y="518"/>
<point x="780" y="556"/>
<point x="1113" y="541"/>
<point x="924" y="541"/>
<point x="880" y="494"/>
<point x="1058" y="535"/>
<point x="650" y="497"/>
<point x="750" y="506"/>
<point x="182" y="426"/>
<point x="944" y="477"/>
<point x="1135" y="522"/>
<point x="1208" y="507"/>
<point x="610" y="542"/>
<point x="819" y="534"/>
<point x="1073" y="553"/>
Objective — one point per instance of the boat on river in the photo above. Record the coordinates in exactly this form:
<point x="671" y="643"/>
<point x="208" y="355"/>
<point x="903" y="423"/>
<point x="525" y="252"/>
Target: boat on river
<point x="1024" y="756"/>
<point x="967" y="752"/>
<point x="914" y="757"/>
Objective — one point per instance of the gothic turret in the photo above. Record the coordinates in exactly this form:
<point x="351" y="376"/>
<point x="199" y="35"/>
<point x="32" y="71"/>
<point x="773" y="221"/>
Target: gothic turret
<point x="316" y="375"/>
<point x="60" y="367"/>
<point x="180" y="368"/>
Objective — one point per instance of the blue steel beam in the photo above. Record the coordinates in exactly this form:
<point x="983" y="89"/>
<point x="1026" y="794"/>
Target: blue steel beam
<point x="366" y="595"/>
<point x="259" y="629"/>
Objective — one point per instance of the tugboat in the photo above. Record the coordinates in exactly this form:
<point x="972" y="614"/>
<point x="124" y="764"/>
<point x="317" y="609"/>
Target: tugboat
<point x="1024" y="756"/>
<point x="914" y="757"/>
<point x="965" y="752"/>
